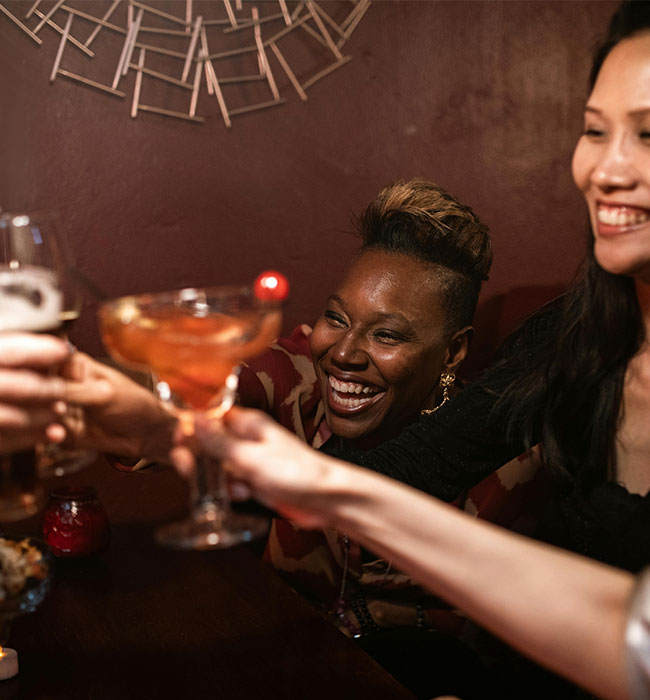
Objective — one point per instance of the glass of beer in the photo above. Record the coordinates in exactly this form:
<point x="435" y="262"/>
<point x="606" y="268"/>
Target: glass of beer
<point x="30" y="300"/>
<point x="39" y="293"/>
<point x="193" y="340"/>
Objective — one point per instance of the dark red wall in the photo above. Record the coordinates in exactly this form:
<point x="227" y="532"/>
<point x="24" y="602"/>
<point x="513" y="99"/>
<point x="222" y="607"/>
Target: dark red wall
<point x="483" y="97"/>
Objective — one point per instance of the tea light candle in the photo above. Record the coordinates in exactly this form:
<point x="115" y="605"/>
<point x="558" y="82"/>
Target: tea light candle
<point x="8" y="663"/>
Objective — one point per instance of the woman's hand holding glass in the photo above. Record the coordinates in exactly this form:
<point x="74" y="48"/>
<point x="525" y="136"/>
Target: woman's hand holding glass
<point x="30" y="407"/>
<point x="30" y="397"/>
<point x="266" y="462"/>
<point x="120" y="416"/>
<point x="39" y="292"/>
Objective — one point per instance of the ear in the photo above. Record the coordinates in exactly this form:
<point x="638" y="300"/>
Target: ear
<point x="457" y="349"/>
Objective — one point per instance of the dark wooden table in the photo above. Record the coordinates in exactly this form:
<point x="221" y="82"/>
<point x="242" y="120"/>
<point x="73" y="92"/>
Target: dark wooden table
<point x="140" y="621"/>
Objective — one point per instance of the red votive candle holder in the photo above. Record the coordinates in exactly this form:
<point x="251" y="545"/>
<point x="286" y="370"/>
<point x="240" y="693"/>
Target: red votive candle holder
<point x="75" y="522"/>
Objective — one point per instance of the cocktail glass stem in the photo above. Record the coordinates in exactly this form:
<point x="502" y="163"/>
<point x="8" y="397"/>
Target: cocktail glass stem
<point x="212" y="523"/>
<point x="208" y="491"/>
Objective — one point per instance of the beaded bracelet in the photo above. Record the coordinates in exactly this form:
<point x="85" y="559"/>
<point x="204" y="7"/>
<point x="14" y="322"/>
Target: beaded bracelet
<point x="366" y="622"/>
<point x="419" y="616"/>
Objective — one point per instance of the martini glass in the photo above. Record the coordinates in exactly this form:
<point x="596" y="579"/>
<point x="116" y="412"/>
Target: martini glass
<point x="193" y="340"/>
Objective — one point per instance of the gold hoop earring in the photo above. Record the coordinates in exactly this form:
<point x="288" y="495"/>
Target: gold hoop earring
<point x="447" y="380"/>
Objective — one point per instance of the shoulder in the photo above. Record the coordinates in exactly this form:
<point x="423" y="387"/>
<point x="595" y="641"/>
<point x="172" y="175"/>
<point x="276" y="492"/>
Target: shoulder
<point x="297" y="342"/>
<point x="293" y="347"/>
<point x="284" y="354"/>
<point x="537" y="330"/>
<point x="283" y="382"/>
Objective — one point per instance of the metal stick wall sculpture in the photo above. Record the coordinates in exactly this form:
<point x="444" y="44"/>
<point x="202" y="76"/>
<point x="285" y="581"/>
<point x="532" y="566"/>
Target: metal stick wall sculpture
<point x="206" y="48"/>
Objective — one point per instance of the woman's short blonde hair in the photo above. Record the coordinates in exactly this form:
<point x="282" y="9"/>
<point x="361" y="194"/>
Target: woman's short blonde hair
<point x="421" y="219"/>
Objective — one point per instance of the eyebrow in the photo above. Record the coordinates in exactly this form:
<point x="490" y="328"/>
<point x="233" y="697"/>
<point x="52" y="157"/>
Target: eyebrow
<point x="642" y="111"/>
<point x="380" y="315"/>
<point x="394" y="317"/>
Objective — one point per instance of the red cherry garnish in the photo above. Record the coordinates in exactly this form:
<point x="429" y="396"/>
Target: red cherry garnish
<point x="271" y="286"/>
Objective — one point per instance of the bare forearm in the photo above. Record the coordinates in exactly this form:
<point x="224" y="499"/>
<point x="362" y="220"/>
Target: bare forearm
<point x="566" y="612"/>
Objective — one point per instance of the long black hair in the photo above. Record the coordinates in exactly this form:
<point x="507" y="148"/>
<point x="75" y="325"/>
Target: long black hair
<point x="632" y="17"/>
<point x="571" y="400"/>
<point x="571" y="403"/>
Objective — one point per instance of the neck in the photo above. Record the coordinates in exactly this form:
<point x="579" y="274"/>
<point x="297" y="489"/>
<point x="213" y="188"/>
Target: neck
<point x="377" y="437"/>
<point x="643" y="296"/>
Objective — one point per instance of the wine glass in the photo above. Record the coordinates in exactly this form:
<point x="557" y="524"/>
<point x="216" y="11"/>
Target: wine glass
<point x="32" y="240"/>
<point x="35" y="275"/>
<point x="193" y="340"/>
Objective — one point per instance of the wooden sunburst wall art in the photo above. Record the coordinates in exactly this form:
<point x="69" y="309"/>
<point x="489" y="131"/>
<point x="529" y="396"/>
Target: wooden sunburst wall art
<point x="191" y="59"/>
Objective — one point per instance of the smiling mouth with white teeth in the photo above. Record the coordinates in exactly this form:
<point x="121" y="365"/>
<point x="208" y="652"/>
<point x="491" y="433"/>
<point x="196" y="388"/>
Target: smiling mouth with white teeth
<point x="621" y="215"/>
<point x="351" y="394"/>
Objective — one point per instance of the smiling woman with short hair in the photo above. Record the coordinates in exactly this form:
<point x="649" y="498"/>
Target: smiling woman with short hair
<point x="385" y="348"/>
<point x="401" y="319"/>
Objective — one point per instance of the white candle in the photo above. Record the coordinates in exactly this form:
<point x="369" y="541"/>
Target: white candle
<point x="8" y="663"/>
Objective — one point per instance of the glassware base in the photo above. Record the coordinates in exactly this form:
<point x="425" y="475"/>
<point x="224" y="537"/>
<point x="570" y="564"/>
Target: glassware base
<point x="211" y="533"/>
<point x="20" y="505"/>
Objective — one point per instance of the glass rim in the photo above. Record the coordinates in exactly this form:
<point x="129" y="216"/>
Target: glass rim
<point x="57" y="240"/>
<point x="74" y="493"/>
<point x="220" y="292"/>
<point x="32" y="216"/>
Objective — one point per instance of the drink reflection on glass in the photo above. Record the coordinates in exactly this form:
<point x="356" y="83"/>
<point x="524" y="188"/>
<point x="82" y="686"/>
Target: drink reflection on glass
<point x="193" y="340"/>
<point x="30" y="243"/>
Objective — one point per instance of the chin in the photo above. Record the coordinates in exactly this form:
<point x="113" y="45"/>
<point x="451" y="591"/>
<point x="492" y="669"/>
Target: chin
<point x="639" y="272"/>
<point x="347" y="429"/>
<point x="619" y="263"/>
<point x="347" y="432"/>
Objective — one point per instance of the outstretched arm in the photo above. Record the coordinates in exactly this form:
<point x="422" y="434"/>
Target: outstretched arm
<point x="566" y="612"/>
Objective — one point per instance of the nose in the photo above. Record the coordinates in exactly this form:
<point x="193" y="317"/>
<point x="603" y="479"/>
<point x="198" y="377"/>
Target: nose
<point x="615" y="168"/>
<point x="348" y="351"/>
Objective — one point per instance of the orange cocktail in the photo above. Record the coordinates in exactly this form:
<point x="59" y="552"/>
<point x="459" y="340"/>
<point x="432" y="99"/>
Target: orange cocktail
<point x="193" y="353"/>
<point x="193" y="340"/>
